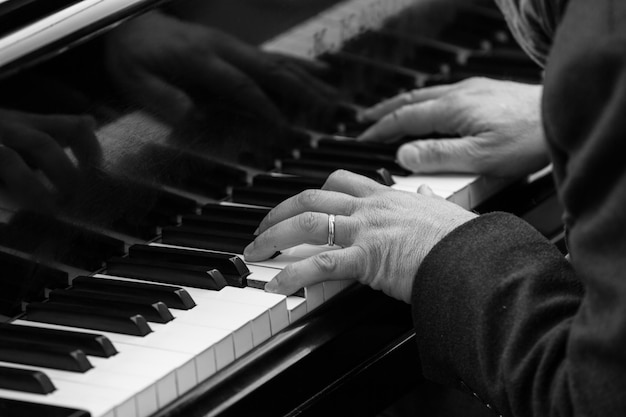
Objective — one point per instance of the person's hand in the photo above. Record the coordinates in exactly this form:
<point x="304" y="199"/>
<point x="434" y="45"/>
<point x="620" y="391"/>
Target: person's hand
<point x="31" y="143"/>
<point x="498" y="125"/>
<point x="168" y="65"/>
<point x="385" y="234"/>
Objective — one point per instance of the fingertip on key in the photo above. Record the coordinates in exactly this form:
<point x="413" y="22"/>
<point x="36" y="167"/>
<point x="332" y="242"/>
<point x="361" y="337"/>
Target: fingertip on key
<point x="271" y="286"/>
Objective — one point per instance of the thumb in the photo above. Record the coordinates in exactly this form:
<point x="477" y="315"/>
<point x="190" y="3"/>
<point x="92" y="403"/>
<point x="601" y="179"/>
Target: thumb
<point x="440" y="155"/>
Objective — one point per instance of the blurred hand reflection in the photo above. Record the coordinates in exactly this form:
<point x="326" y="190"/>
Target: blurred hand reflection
<point x="168" y="64"/>
<point x="31" y="143"/>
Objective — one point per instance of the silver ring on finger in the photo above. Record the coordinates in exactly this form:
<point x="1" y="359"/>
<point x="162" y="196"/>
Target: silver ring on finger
<point x="331" y="230"/>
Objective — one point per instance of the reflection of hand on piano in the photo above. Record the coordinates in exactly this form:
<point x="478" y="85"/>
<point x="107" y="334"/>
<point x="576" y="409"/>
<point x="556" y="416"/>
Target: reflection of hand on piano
<point x="167" y="64"/>
<point x="386" y="234"/>
<point x="30" y="142"/>
<point x="499" y="123"/>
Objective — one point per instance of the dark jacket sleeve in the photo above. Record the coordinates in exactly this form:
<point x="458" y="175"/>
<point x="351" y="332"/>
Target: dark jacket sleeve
<point x="499" y="309"/>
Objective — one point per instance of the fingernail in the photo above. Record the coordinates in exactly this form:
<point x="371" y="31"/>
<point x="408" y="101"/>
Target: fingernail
<point x="271" y="286"/>
<point x="256" y="232"/>
<point x="408" y="157"/>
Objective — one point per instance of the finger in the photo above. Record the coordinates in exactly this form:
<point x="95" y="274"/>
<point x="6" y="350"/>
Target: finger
<point x="415" y="119"/>
<point x="217" y="77"/>
<point x="442" y="155"/>
<point x="410" y="97"/>
<point x="21" y="182"/>
<point x="75" y="132"/>
<point x="332" y="265"/>
<point x="350" y="183"/>
<point x="309" y="227"/>
<point x="48" y="156"/>
<point x="427" y="191"/>
<point x="309" y="201"/>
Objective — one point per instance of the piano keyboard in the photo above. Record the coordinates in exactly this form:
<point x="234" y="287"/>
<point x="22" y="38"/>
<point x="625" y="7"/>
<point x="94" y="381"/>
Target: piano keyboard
<point x="202" y="307"/>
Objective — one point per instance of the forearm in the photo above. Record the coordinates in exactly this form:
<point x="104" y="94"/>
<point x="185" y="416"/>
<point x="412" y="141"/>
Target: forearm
<point x="492" y="306"/>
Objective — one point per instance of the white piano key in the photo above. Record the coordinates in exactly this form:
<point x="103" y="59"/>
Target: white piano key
<point x="275" y="304"/>
<point x="213" y="312"/>
<point x="297" y="308"/>
<point x="331" y="289"/>
<point x="241" y="329"/>
<point x="184" y="349"/>
<point x="140" y="388"/>
<point x="98" y="401"/>
<point x="443" y="185"/>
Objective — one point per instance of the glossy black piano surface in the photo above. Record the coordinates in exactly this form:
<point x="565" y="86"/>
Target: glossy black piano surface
<point x="161" y="182"/>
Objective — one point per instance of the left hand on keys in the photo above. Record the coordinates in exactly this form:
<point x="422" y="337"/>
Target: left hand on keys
<point x="384" y="234"/>
<point x="498" y="122"/>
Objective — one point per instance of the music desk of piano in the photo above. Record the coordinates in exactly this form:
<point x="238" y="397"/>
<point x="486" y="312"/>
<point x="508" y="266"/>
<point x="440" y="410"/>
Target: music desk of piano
<point x="336" y="348"/>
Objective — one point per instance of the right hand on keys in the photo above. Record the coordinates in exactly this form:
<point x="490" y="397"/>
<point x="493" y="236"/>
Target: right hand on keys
<point x="385" y="234"/>
<point x="498" y="122"/>
<point x="32" y="142"/>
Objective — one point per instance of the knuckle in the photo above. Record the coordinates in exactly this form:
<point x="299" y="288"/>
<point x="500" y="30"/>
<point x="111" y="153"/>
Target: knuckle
<point x="408" y="97"/>
<point x="431" y="153"/>
<point x="338" y="175"/>
<point x="307" y="222"/>
<point x="325" y="263"/>
<point x="335" y="178"/>
<point x="307" y="199"/>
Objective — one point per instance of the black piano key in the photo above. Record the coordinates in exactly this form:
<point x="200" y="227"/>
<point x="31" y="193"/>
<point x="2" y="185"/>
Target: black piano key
<point x="482" y="23"/>
<point x="210" y="223"/>
<point x="355" y="74"/>
<point x="167" y="272"/>
<point x="156" y="312"/>
<point x="230" y="213"/>
<point x="365" y="148"/>
<point x="91" y="344"/>
<point x="287" y="182"/>
<point x="353" y="129"/>
<point x="322" y="169"/>
<point x="205" y="239"/>
<point x="463" y="73"/>
<point x="464" y="38"/>
<point x="434" y="50"/>
<point x="223" y="262"/>
<point x="87" y="318"/>
<point x="173" y="297"/>
<point x="502" y="64"/>
<point x="14" y="408"/>
<point x="25" y="380"/>
<point x="59" y="240"/>
<point x="343" y="158"/>
<point x="44" y="355"/>
<point x="25" y="279"/>
<point x="402" y="51"/>
<point x="260" y="196"/>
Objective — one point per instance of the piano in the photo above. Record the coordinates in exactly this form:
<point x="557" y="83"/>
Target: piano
<point x="135" y="301"/>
